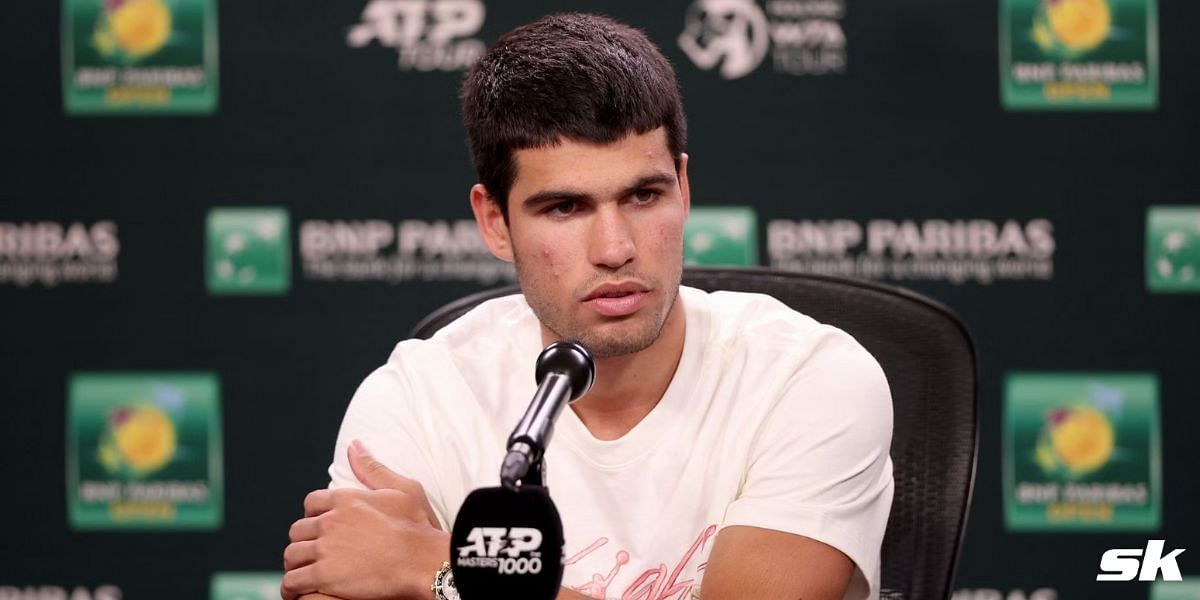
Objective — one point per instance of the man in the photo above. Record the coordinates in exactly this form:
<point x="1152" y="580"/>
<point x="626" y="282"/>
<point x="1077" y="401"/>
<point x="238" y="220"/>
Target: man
<point x="730" y="447"/>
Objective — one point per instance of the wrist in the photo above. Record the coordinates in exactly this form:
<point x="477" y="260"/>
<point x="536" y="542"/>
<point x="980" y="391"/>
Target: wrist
<point x="424" y="567"/>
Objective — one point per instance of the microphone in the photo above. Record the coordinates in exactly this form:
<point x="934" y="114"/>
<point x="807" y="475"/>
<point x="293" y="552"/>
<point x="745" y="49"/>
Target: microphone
<point x="565" y="372"/>
<point x="507" y="542"/>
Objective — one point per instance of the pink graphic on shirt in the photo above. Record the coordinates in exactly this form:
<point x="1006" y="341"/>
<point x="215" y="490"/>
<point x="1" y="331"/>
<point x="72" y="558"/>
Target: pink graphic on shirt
<point x="598" y="586"/>
<point x="653" y="584"/>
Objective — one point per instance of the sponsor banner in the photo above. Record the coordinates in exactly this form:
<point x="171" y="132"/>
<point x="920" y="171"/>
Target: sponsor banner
<point x="55" y="592"/>
<point x="994" y="594"/>
<point x="1082" y="452"/>
<point x="144" y="451"/>
<point x="245" y="586"/>
<point x="248" y="251"/>
<point x="1078" y="54"/>
<point x="428" y="35"/>
<point x="49" y="253"/>
<point x="1188" y="589"/>
<point x="960" y="251"/>
<point x="139" y="56"/>
<point x="721" y="236"/>
<point x="394" y="252"/>
<point x="735" y="37"/>
<point x="1173" y="249"/>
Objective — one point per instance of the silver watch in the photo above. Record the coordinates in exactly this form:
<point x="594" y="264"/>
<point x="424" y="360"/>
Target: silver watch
<point x="443" y="584"/>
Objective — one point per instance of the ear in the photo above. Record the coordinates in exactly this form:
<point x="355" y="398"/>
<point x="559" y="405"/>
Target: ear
<point x="685" y="189"/>
<point x="491" y="223"/>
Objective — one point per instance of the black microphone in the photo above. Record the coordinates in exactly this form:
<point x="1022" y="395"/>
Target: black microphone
<point x="507" y="542"/>
<point x="565" y="372"/>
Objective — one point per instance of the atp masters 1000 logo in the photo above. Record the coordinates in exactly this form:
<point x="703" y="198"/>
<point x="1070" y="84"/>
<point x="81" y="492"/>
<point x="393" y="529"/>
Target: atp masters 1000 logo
<point x="144" y="451"/>
<point x="130" y="56"/>
<point x="1079" y="54"/>
<point x="1081" y="451"/>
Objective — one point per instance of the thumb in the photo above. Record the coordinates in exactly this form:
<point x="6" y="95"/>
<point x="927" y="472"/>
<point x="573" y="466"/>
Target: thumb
<point x="369" y="471"/>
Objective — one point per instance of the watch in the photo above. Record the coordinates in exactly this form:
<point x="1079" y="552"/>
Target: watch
<point x="443" y="584"/>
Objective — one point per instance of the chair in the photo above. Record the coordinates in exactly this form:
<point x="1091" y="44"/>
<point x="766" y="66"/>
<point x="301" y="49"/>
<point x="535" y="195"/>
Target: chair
<point x="929" y="360"/>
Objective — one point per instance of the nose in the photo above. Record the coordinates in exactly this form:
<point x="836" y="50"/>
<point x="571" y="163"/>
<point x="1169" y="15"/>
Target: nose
<point x="611" y="242"/>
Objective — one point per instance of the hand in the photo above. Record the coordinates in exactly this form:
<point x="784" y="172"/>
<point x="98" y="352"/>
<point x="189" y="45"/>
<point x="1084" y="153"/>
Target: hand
<point x="380" y="543"/>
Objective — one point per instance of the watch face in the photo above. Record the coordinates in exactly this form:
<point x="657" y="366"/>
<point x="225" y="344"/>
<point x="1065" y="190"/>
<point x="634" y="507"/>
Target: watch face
<point x="448" y="587"/>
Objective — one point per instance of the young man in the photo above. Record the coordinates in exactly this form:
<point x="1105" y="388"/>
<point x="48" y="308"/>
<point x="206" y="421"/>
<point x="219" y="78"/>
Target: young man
<point x="730" y="447"/>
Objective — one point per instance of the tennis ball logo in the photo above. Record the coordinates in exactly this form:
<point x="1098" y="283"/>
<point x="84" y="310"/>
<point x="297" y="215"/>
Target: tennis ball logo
<point x="1071" y="27"/>
<point x="1075" y="441"/>
<point x="133" y="29"/>
<point x="137" y="440"/>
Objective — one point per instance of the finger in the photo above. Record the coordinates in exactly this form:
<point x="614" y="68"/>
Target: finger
<point x="298" y="581"/>
<point x="372" y="473"/>
<point x="425" y="506"/>
<point x="320" y="501"/>
<point x="299" y="554"/>
<point x="304" y="529"/>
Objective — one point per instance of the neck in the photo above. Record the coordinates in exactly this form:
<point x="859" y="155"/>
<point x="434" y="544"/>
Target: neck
<point x="628" y="387"/>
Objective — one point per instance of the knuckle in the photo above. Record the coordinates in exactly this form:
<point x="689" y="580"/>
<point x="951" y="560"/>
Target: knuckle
<point x="288" y="587"/>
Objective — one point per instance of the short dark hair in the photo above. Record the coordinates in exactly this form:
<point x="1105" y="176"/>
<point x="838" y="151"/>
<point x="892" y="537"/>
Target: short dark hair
<point x="574" y="76"/>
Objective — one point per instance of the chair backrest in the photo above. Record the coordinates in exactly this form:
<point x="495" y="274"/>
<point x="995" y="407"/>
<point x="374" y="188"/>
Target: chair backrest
<point x="929" y="360"/>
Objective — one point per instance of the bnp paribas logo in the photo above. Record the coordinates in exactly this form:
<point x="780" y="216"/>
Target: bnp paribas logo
<point x="1079" y="54"/>
<point x="248" y="251"/>
<point x="721" y="236"/>
<point x="1173" y="249"/>
<point x="139" y="56"/>
<point x="245" y="586"/>
<point x="1082" y="452"/>
<point x="144" y="451"/>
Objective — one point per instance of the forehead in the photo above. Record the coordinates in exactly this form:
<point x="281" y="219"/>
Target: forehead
<point x="593" y="165"/>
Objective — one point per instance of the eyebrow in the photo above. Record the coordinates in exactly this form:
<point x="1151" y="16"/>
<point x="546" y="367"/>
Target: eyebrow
<point x="553" y="196"/>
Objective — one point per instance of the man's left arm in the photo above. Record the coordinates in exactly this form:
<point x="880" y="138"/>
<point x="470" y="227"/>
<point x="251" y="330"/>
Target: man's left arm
<point x="809" y="519"/>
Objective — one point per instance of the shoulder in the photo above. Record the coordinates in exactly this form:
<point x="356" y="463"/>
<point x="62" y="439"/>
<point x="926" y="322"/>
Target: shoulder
<point x="788" y="357"/>
<point x="470" y="351"/>
<point x="480" y="332"/>
<point x="764" y="326"/>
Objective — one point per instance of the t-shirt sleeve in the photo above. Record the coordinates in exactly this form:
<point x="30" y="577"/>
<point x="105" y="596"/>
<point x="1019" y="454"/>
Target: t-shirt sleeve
<point x="818" y="462"/>
<point x="382" y="416"/>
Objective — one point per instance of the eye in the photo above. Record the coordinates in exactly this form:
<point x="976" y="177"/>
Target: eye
<point x="647" y="196"/>
<point x="562" y="209"/>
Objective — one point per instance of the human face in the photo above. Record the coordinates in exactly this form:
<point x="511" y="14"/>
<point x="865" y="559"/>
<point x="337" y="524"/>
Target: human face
<point x="596" y="233"/>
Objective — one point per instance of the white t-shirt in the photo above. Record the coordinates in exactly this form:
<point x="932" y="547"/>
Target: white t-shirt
<point x="771" y="420"/>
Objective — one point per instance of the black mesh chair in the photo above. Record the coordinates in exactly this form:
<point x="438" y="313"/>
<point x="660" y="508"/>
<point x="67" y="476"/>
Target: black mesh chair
<point x="930" y="364"/>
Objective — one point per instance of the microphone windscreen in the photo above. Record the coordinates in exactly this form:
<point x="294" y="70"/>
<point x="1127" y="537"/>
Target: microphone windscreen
<point x="507" y="544"/>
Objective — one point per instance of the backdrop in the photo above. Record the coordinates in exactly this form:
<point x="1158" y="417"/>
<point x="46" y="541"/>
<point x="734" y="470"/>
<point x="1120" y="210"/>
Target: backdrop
<point x="217" y="217"/>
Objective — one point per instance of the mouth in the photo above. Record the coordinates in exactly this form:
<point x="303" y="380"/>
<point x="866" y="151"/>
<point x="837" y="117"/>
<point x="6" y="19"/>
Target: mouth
<point x="617" y="299"/>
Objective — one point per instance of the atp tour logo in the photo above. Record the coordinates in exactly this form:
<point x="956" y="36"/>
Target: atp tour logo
<point x="510" y="551"/>
<point x="428" y="35"/>
<point x="1124" y="564"/>
<point x="803" y="37"/>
